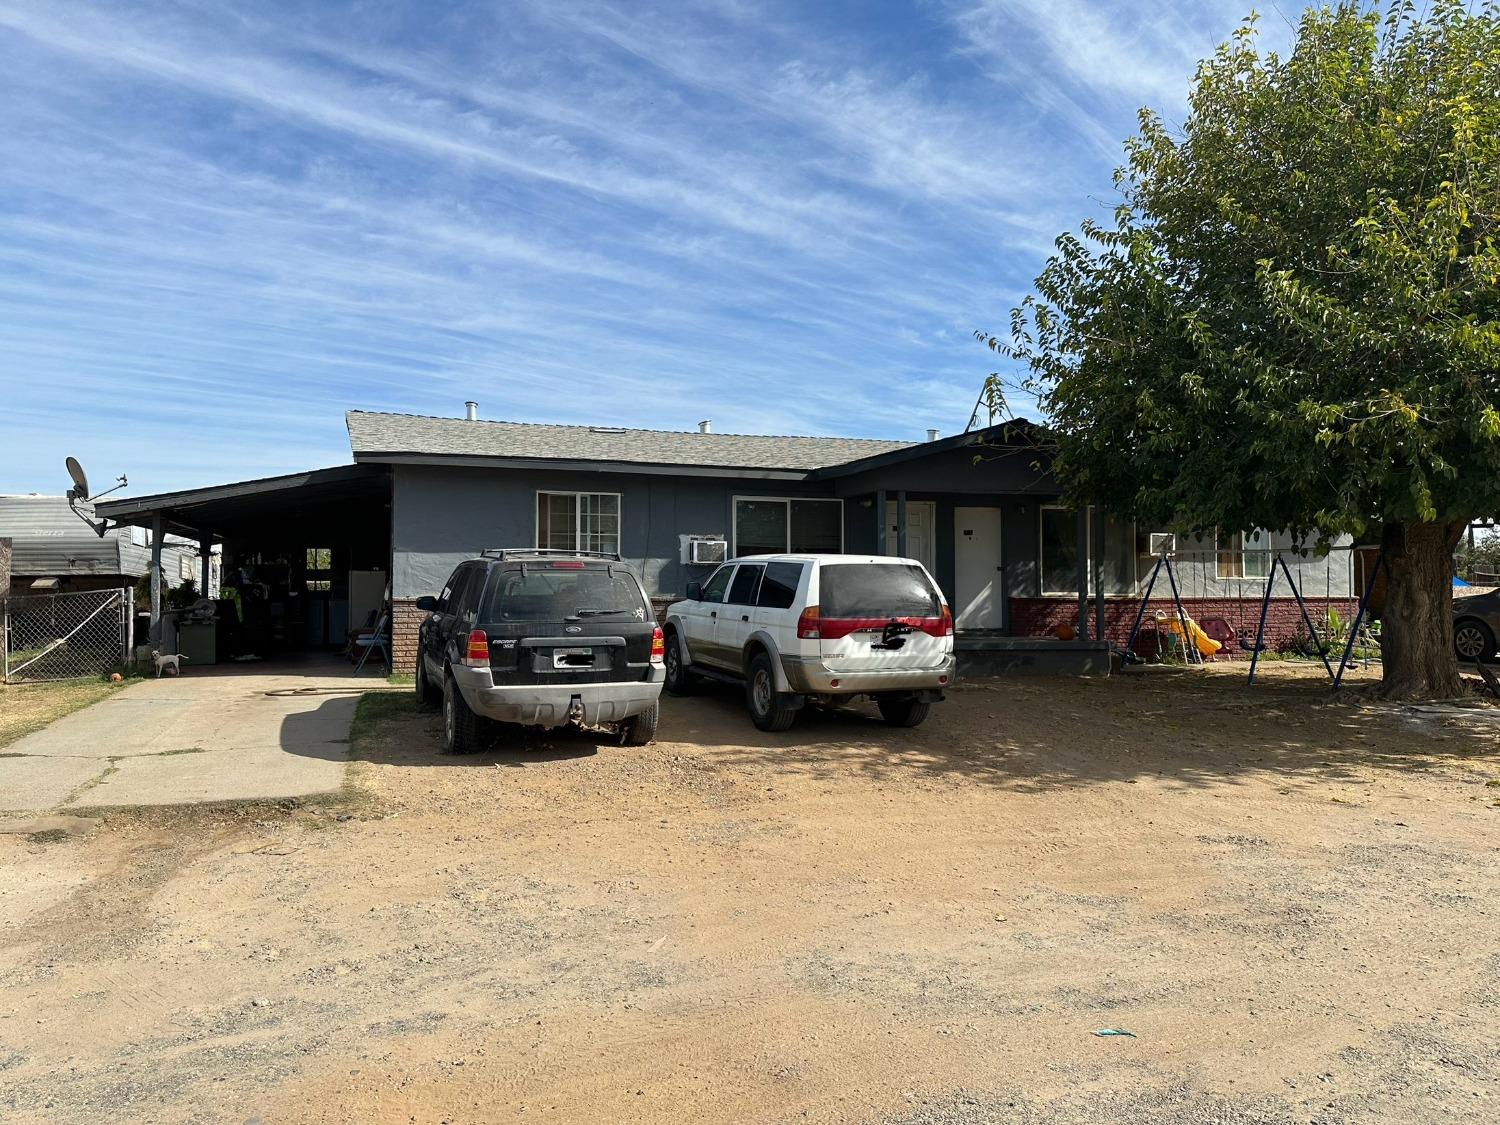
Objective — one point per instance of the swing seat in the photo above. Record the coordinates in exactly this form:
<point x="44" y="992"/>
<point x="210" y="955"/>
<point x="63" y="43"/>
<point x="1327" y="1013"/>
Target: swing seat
<point x="1220" y="630"/>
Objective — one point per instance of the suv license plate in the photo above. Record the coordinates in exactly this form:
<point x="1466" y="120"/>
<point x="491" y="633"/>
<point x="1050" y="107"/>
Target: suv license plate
<point x="573" y="658"/>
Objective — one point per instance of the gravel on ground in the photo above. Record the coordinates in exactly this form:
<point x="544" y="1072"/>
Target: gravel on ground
<point x="1288" y="900"/>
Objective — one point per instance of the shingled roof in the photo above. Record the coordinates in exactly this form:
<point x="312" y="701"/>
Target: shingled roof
<point x="396" y="437"/>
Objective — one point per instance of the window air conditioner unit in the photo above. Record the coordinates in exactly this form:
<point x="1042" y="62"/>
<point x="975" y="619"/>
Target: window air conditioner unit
<point x="1162" y="542"/>
<point x="706" y="552"/>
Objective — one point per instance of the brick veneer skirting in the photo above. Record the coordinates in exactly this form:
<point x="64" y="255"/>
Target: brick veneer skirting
<point x="1039" y="617"/>
<point x="405" y="619"/>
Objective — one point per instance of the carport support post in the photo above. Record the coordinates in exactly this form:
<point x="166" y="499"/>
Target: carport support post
<point x="157" y="535"/>
<point x="1083" y="573"/>
<point x="901" y="523"/>
<point x="206" y="549"/>
<point x="880" y="522"/>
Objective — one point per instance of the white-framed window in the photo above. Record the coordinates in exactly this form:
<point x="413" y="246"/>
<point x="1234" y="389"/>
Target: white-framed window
<point x="1244" y="554"/>
<point x="1057" y="552"/>
<point x="184" y="567"/>
<point x="777" y="525"/>
<point x="140" y="536"/>
<point x="578" y="521"/>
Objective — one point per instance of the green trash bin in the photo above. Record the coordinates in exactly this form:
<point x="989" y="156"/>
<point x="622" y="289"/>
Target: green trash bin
<point x="198" y="643"/>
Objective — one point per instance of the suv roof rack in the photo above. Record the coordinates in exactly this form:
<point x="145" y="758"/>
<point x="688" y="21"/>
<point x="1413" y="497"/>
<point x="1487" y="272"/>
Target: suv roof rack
<point x="504" y="553"/>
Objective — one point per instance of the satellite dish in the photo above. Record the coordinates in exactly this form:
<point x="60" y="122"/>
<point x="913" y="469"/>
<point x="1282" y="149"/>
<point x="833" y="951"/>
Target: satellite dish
<point x="80" y="491"/>
<point x="80" y="479"/>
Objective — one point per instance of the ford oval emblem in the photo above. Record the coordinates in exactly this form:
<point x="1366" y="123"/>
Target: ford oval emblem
<point x="573" y="629"/>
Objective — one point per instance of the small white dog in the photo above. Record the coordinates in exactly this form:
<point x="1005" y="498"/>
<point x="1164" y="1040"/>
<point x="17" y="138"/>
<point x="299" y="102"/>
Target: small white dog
<point x="167" y="661"/>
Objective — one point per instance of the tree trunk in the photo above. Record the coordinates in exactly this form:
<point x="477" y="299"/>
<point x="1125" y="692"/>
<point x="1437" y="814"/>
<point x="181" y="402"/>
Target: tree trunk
<point x="1416" y="630"/>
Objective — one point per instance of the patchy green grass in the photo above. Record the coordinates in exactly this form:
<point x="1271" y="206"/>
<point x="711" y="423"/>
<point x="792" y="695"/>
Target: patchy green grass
<point x="377" y="708"/>
<point x="25" y="708"/>
<point x="401" y="679"/>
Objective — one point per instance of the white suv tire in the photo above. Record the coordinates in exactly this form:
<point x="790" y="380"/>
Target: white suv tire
<point x="770" y="710"/>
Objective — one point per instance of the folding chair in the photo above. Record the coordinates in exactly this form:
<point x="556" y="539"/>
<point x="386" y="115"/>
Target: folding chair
<point x="380" y="639"/>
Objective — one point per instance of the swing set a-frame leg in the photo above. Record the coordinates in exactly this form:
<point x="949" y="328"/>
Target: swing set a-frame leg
<point x="1306" y="617"/>
<point x="1359" y="617"/>
<point x="1260" y="633"/>
<point x="1190" y="653"/>
<point x="1140" y="616"/>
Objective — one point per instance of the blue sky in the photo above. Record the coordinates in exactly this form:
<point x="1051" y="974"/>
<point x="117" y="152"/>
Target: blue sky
<point x="221" y="225"/>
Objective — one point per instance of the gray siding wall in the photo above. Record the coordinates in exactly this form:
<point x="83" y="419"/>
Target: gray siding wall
<point x="441" y="516"/>
<point x="1195" y="564"/>
<point x="1317" y="576"/>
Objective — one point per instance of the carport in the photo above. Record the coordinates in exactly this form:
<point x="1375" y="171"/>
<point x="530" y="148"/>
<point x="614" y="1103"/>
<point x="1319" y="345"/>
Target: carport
<point x="306" y="557"/>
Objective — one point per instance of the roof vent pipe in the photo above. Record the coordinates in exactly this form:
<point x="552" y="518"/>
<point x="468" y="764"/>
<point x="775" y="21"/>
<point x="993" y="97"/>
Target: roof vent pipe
<point x="471" y="411"/>
<point x="932" y="435"/>
<point x="706" y="426"/>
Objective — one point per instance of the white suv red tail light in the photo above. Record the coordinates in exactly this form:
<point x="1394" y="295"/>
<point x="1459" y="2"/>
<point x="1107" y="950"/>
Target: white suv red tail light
<point x="811" y="626"/>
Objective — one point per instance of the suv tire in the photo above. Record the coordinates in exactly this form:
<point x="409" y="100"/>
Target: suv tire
<point x="638" y="730"/>
<point x="1473" y="640"/>
<point x="462" y="729"/>
<point x="680" y="680"/>
<point x="426" y="697"/>
<point x="770" y="710"/>
<point x="900" y="712"/>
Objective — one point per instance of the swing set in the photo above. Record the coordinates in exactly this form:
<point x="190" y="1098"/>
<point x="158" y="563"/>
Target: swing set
<point x="1186" y="626"/>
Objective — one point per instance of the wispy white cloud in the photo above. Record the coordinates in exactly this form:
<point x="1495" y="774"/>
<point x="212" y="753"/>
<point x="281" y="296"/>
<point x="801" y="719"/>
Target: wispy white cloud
<point x="220" y="226"/>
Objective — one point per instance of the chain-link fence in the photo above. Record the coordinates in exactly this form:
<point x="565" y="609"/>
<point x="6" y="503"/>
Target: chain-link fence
<point x="64" y="636"/>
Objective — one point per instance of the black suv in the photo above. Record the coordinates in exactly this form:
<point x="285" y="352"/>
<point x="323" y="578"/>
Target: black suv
<point x="541" y="638"/>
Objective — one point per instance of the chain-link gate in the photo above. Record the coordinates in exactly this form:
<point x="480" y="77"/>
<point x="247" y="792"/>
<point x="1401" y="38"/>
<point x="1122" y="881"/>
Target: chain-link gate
<point x="65" y="636"/>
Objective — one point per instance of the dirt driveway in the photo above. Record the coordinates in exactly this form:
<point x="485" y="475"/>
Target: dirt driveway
<point x="1290" y="903"/>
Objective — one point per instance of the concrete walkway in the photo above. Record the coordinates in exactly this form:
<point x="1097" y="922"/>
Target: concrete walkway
<point x="234" y="733"/>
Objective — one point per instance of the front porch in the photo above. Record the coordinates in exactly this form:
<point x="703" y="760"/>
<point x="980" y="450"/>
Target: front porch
<point x="981" y="511"/>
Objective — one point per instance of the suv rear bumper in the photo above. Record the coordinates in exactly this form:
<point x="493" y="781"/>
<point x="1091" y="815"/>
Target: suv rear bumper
<point x="813" y="677"/>
<point x="549" y="705"/>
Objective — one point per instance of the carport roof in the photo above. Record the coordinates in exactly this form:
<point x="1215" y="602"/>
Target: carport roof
<point x="416" y="438"/>
<point x="212" y="509"/>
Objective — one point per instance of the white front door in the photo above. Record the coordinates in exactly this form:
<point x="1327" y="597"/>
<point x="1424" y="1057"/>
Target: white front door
<point x="921" y="515"/>
<point x="977" y="561"/>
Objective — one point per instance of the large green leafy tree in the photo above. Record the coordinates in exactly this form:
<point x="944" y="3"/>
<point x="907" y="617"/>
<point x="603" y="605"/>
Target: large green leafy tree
<point x="1294" y="320"/>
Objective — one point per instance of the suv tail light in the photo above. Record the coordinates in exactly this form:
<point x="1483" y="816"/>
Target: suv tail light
<point x="658" y="647"/>
<point x="478" y="653"/>
<point x="808" y="628"/>
<point x="835" y="628"/>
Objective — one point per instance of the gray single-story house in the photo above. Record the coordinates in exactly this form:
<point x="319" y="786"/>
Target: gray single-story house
<point x="328" y="548"/>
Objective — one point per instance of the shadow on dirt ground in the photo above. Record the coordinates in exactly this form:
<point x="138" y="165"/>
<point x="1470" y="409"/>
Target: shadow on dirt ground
<point x="509" y="747"/>
<point x="1192" y="727"/>
<point x="1287" y="900"/>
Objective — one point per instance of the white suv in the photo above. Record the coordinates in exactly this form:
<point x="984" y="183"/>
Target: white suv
<point x="796" y="628"/>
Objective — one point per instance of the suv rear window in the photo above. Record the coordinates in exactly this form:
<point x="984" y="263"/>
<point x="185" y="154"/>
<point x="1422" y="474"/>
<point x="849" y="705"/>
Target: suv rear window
<point x="876" y="590"/>
<point x="550" y="593"/>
